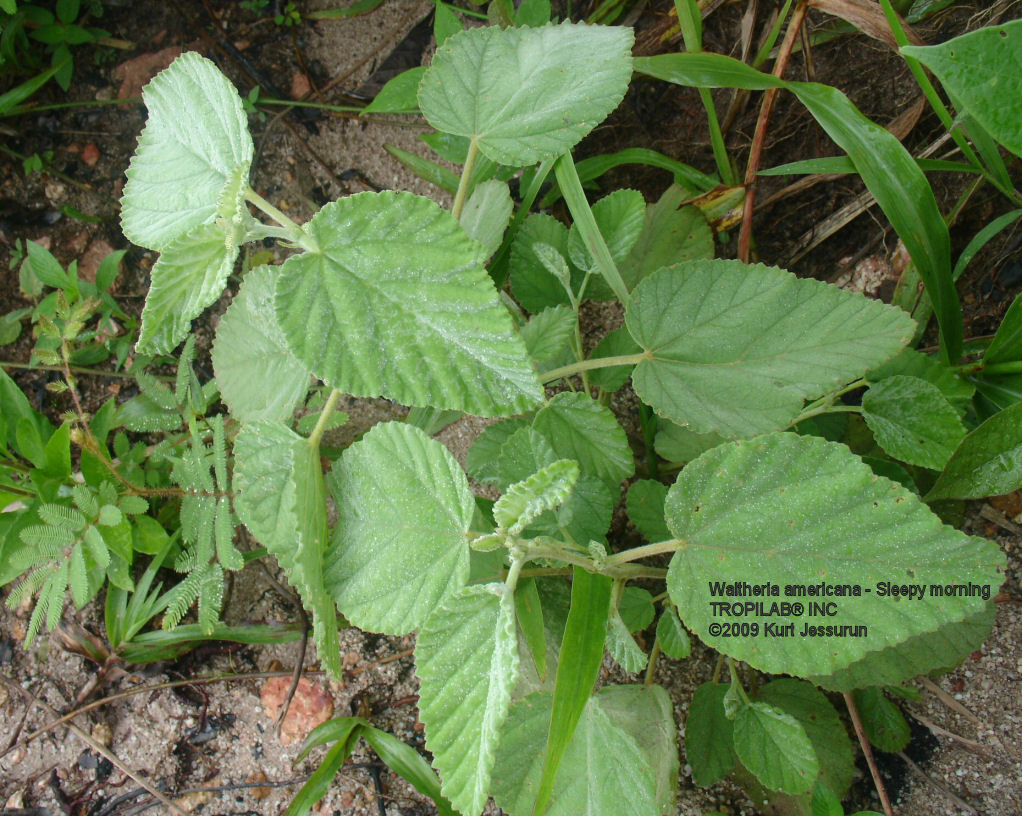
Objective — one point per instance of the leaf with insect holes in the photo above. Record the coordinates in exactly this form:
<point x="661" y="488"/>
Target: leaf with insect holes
<point x="736" y="348"/>
<point x="400" y="547"/>
<point x="395" y="302"/>
<point x="195" y="142"/>
<point x="527" y="94"/>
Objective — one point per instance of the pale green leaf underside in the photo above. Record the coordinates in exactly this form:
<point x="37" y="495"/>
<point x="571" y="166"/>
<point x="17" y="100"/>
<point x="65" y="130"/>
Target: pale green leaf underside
<point x="486" y="214"/>
<point x="189" y="275"/>
<point x="774" y="746"/>
<point x="622" y="758"/>
<point x="467" y="661"/>
<point x="622" y="646"/>
<point x="396" y="303"/>
<point x="280" y="498"/>
<point x="195" y="139"/>
<point x="796" y="510"/>
<point x="527" y="94"/>
<point x="983" y="69"/>
<point x="912" y="421"/>
<point x="400" y="546"/>
<point x="735" y="348"/>
<point x="258" y="376"/>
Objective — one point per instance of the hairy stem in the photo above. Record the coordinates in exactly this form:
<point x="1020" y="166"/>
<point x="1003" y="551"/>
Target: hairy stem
<point x="646" y="551"/>
<point x="324" y="418"/>
<point x="594" y="362"/>
<point x="466" y="179"/>
<point x="293" y="232"/>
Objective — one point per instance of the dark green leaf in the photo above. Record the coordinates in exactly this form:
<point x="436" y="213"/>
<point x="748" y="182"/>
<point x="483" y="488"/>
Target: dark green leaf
<point x="988" y="462"/>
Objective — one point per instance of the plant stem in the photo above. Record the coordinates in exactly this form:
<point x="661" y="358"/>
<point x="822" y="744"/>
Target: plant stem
<point x="646" y="551"/>
<point x="826" y="409"/>
<point x="91" y="372"/>
<point x="466" y="179"/>
<point x="295" y="233"/>
<point x="581" y="212"/>
<point x="1014" y="367"/>
<point x="594" y="362"/>
<point x="513" y="574"/>
<point x="860" y="732"/>
<point x="324" y="418"/>
<point x="651" y="666"/>
<point x="759" y="137"/>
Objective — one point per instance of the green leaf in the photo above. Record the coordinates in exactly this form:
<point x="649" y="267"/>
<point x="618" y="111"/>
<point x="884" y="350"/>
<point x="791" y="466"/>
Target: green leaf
<point x="670" y="234"/>
<point x="582" y="429"/>
<point x="432" y="172"/>
<point x="487" y="213"/>
<point x="622" y="646"/>
<point x="524" y="501"/>
<point x="409" y="764"/>
<point x="645" y="505"/>
<point x="709" y="735"/>
<point x="46" y="267"/>
<point x="400" y="547"/>
<point x="810" y="707"/>
<point x="774" y="746"/>
<point x="529" y="612"/>
<point x="912" y="421"/>
<point x="445" y="23"/>
<point x="883" y="722"/>
<point x="636" y="608"/>
<point x="736" y="348"/>
<point x="888" y="170"/>
<point x="548" y="333"/>
<point x="803" y="512"/>
<point x="619" y="217"/>
<point x="580" y="659"/>
<point x="523" y="453"/>
<point x="911" y="363"/>
<point x="1006" y="347"/>
<point x="258" y="376"/>
<point x="399" y="94"/>
<point x="195" y="142"/>
<point x="395" y="302"/>
<point x="935" y="652"/>
<point x="190" y="274"/>
<point x="981" y="69"/>
<point x="988" y="462"/>
<point x="467" y="661"/>
<point x="622" y="759"/>
<point x="344" y="732"/>
<point x="278" y="482"/>
<point x="676" y="443"/>
<point x="527" y="94"/>
<point x="482" y="460"/>
<point x="674" y="640"/>
<point x="533" y="284"/>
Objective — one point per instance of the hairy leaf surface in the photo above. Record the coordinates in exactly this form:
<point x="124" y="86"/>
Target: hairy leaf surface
<point x="258" y="376"/>
<point x="467" y="660"/>
<point x="736" y="348"/>
<point x="280" y="498"/>
<point x="579" y="428"/>
<point x="774" y="746"/>
<point x="795" y="510"/>
<point x="527" y="94"/>
<point x="195" y="141"/>
<point x="395" y="302"/>
<point x="400" y="546"/>
<point x="622" y="758"/>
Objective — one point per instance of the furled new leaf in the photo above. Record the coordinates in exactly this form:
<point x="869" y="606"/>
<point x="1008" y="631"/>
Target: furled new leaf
<point x="195" y="141"/>
<point x="527" y="94"/>
<point x="400" y="547"/>
<point x="735" y="348"/>
<point x="467" y="661"/>
<point x="395" y="302"/>
<point x="546" y="489"/>
<point x="258" y="376"/>
<point x="622" y="759"/>
<point x="801" y="511"/>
